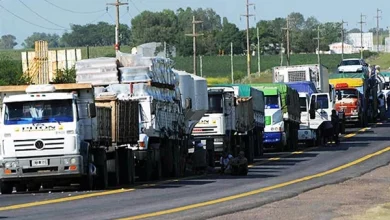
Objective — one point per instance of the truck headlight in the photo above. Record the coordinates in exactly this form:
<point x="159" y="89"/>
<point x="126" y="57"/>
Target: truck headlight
<point x="66" y="161"/>
<point x="7" y="165"/>
<point x="73" y="161"/>
<point x="14" y="164"/>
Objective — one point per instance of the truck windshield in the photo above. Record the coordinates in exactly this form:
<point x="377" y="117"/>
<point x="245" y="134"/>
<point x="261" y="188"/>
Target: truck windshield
<point x="215" y="104"/>
<point x="349" y="93"/>
<point x="350" y="63"/>
<point x="272" y="101"/>
<point x="302" y="104"/>
<point x="50" y="111"/>
<point x="323" y="101"/>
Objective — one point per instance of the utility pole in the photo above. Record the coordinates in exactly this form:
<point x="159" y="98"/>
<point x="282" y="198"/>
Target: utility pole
<point x="194" y="35"/>
<point x="318" y="38"/>
<point x="288" y="29"/>
<point x="361" y="34"/>
<point x="248" y="50"/>
<point x="231" y="61"/>
<point x="117" y="4"/>
<point x="377" y="26"/>
<point x="342" y="38"/>
<point x="258" y="52"/>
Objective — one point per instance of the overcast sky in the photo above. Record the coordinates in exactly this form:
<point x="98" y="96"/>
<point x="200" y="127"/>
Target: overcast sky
<point x="29" y="14"/>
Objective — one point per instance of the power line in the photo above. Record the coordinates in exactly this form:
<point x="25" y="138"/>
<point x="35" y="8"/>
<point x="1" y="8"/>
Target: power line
<point x="41" y="16"/>
<point x="37" y="25"/>
<point x="100" y="16"/>
<point x="77" y="12"/>
<point x="139" y="11"/>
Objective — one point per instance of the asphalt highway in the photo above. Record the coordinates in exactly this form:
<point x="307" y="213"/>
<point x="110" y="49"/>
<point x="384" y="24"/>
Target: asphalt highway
<point x="275" y="176"/>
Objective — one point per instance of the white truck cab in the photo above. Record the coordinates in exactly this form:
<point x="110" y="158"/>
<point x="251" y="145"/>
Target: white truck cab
<point x="43" y="132"/>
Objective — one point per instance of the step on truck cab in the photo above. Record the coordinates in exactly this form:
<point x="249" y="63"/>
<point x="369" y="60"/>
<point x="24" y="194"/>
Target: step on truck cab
<point x="282" y="115"/>
<point x="235" y="120"/>
<point x="45" y="131"/>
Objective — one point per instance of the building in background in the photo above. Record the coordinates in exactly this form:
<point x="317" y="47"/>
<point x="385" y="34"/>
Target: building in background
<point x="336" y="48"/>
<point x="355" y="40"/>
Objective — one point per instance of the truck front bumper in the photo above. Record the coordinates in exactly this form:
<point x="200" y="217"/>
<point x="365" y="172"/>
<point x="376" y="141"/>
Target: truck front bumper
<point x="306" y="134"/>
<point x="43" y="168"/>
<point x="273" y="137"/>
<point x="353" y="118"/>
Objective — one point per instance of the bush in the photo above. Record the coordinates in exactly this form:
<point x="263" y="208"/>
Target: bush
<point x="11" y="72"/>
<point x="65" y="76"/>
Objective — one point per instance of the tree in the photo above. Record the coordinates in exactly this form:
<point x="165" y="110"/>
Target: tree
<point x="154" y="27"/>
<point x="52" y="39"/>
<point x="354" y="30"/>
<point x="7" y="42"/>
<point x="229" y="34"/>
<point x="11" y="72"/>
<point x="100" y="34"/>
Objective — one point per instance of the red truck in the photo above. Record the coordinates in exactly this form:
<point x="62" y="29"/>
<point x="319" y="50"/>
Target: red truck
<point x="351" y="103"/>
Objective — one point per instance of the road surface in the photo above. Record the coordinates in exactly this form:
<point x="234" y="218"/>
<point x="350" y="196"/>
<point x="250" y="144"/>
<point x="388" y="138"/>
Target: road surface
<point x="275" y="177"/>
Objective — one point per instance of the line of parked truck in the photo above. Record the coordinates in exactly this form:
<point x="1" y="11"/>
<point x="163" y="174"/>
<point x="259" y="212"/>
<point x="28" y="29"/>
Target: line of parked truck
<point x="136" y="117"/>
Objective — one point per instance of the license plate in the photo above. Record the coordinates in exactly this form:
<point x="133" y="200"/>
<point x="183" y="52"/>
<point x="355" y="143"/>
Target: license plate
<point x="38" y="163"/>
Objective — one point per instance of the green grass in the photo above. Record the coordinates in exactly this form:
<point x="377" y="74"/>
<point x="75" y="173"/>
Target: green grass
<point x="382" y="59"/>
<point x="219" y="66"/>
<point x="212" y="66"/>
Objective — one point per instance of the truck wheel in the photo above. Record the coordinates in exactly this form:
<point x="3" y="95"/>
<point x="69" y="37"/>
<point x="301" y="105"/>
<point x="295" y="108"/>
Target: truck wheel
<point x="21" y="187"/>
<point x="101" y="169"/>
<point x="6" y="187"/>
<point x="47" y="185"/>
<point x="33" y="187"/>
<point x="86" y="182"/>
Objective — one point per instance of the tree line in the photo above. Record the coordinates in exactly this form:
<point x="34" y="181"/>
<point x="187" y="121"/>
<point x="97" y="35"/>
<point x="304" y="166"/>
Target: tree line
<point x="218" y="33"/>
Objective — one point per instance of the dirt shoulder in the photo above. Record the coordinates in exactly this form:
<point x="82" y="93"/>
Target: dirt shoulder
<point x="363" y="198"/>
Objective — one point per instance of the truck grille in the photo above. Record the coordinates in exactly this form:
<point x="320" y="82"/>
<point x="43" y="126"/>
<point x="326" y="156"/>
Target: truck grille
<point x="295" y="76"/>
<point x="45" y="144"/>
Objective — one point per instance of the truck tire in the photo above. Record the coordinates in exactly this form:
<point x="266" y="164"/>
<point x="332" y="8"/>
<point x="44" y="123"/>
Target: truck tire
<point x="6" y="187"/>
<point x="48" y="185"/>
<point x="101" y="181"/>
<point x="319" y="137"/>
<point x="21" y="187"/>
<point x="33" y="187"/>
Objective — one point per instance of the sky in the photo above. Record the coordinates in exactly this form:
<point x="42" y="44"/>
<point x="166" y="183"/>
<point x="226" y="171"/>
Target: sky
<point x="23" y="17"/>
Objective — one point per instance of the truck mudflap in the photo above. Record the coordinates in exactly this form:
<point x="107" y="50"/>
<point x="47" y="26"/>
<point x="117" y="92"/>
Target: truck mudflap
<point x="45" y="167"/>
<point x="273" y="137"/>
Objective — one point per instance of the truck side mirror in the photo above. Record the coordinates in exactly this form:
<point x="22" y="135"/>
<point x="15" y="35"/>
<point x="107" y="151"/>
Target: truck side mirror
<point x="312" y="111"/>
<point x="91" y="110"/>
<point x="188" y="103"/>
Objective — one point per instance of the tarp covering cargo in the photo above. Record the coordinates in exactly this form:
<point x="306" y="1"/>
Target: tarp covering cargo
<point x="347" y="75"/>
<point x="303" y="86"/>
<point x="245" y="91"/>
<point x="352" y="82"/>
<point x="293" y="110"/>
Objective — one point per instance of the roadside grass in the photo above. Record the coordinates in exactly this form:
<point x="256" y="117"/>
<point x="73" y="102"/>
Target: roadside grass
<point x="382" y="59"/>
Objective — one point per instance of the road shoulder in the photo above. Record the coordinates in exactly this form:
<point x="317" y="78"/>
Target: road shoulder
<point x="365" y="197"/>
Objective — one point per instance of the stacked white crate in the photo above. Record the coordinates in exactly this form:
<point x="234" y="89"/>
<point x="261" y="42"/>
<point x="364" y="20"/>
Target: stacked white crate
<point x="97" y="71"/>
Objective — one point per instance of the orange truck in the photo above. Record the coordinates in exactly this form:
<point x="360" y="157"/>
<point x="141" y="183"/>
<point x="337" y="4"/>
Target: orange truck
<point x="351" y="104"/>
